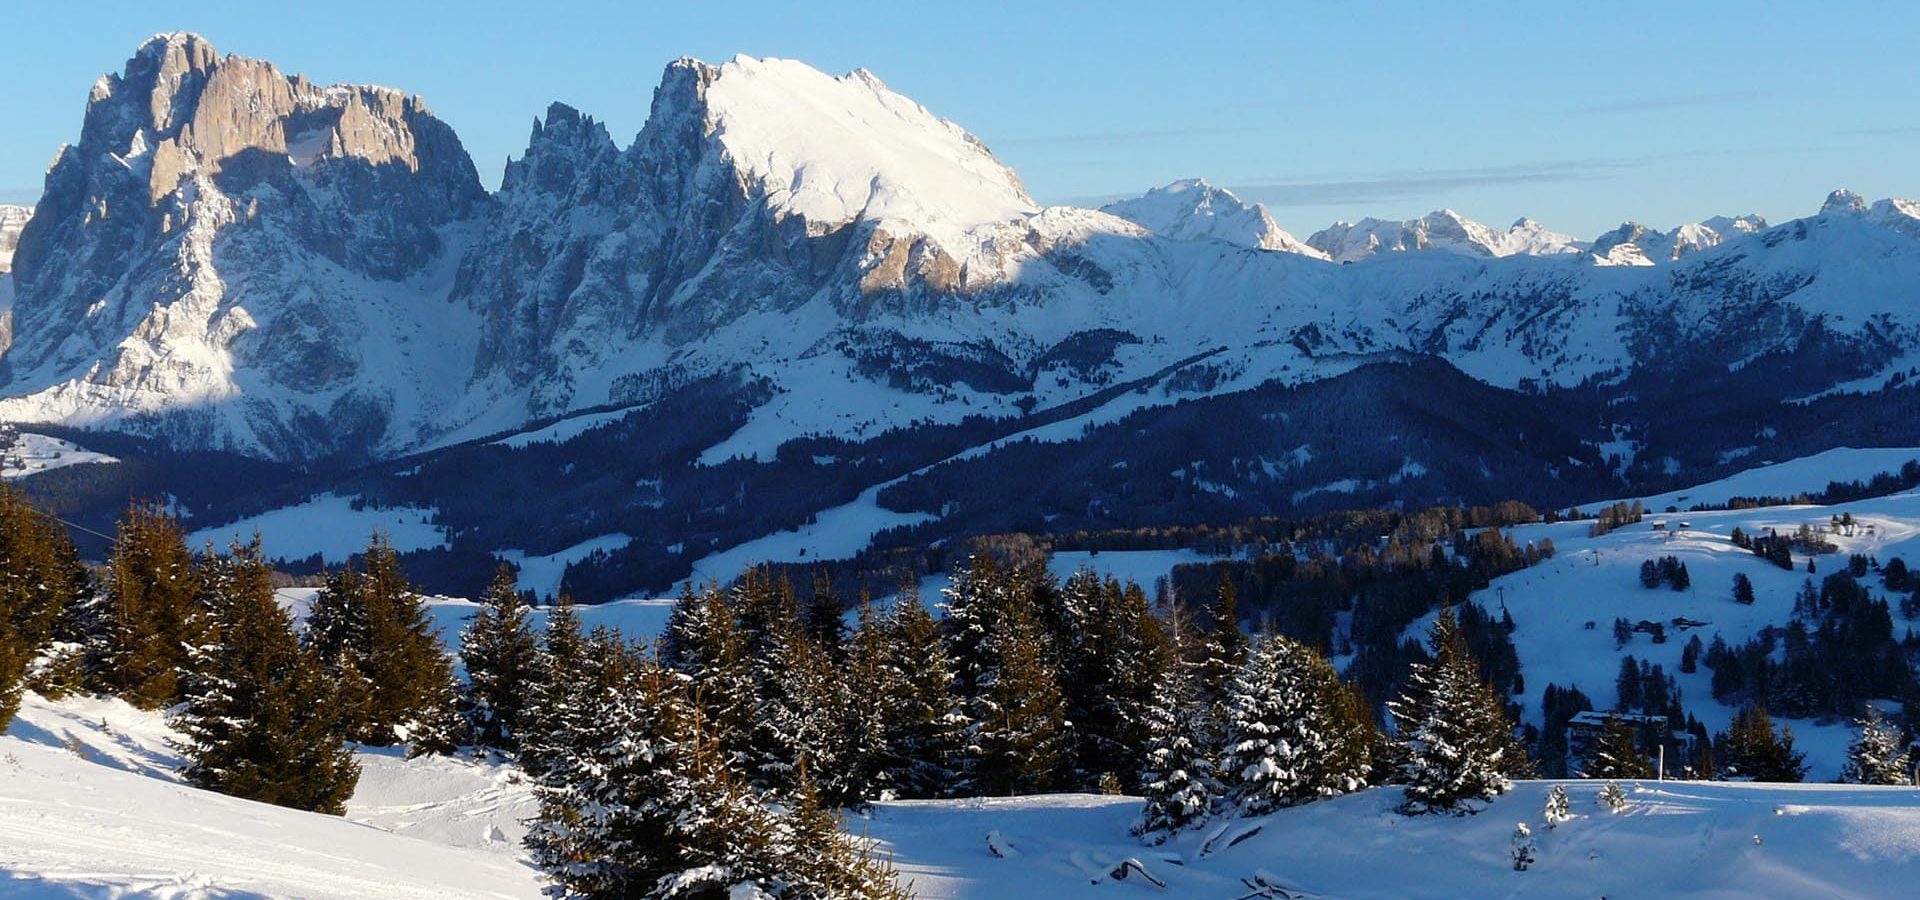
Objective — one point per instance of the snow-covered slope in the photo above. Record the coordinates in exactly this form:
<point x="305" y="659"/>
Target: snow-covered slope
<point x="1675" y="839"/>
<point x="1191" y="209"/>
<point x="25" y="453"/>
<point x="89" y="807"/>
<point x="107" y="819"/>
<point x="1439" y="230"/>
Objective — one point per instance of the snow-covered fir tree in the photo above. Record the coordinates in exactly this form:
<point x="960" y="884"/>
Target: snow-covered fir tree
<point x="1178" y="778"/>
<point x="1524" y="849"/>
<point x="554" y="704"/>
<point x="1112" y="653"/>
<point x="1458" y="746"/>
<point x="258" y="719"/>
<point x="1557" y="810"/>
<point x="1283" y="744"/>
<point x="502" y="656"/>
<point x="1612" y="797"/>
<point x="1223" y="646"/>
<point x="1876" y="755"/>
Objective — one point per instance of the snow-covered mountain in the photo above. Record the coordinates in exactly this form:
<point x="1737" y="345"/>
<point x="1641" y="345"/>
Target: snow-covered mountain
<point x="1193" y="210"/>
<point x="1634" y="244"/>
<point x="230" y="257"/>
<point x="1439" y="230"/>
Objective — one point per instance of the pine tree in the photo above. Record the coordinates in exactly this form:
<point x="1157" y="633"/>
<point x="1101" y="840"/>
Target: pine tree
<point x="873" y="690"/>
<point x="502" y="656"/>
<point x="1556" y="811"/>
<point x="257" y="721"/>
<point x="1020" y="735"/>
<point x="153" y="591"/>
<point x="926" y="736"/>
<point x="42" y="588"/>
<point x="1616" y="754"/>
<point x="373" y="633"/>
<point x="706" y="642"/>
<point x="554" y="706"/>
<point x="1753" y="752"/>
<point x="1742" y="588"/>
<point x="1876" y="755"/>
<point x="1612" y="797"/>
<point x="1283" y="741"/>
<point x="1524" y="848"/>
<point x="1178" y="777"/>
<point x="1112" y="654"/>
<point x="1457" y="743"/>
<point x="1223" y="648"/>
<point x="613" y="801"/>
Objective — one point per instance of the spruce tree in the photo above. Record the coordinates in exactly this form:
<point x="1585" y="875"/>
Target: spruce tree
<point x="502" y="656"/>
<point x="1020" y="738"/>
<point x="1876" y="754"/>
<point x="42" y="589"/>
<point x="1458" y="746"/>
<point x="1283" y="739"/>
<point x="612" y="801"/>
<point x="706" y="643"/>
<point x="1223" y="647"/>
<point x="257" y="721"/>
<point x="1112" y="654"/>
<point x="553" y="710"/>
<point x="372" y="631"/>
<point x="1178" y="777"/>
<point x="1556" y="811"/>
<point x="1616" y="754"/>
<point x="926" y="734"/>
<point x="1753" y="752"/>
<point x="153" y="593"/>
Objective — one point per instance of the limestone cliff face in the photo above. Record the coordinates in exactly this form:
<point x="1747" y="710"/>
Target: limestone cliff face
<point x="220" y="224"/>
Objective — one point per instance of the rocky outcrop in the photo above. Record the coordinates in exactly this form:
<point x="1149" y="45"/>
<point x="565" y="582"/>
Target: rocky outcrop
<point x="210" y="256"/>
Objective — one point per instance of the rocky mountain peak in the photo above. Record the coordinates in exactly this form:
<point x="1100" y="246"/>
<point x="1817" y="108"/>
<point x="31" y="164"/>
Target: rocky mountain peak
<point x="1192" y="209"/>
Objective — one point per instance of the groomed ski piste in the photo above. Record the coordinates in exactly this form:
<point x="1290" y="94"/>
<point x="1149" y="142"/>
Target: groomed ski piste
<point x="90" y="805"/>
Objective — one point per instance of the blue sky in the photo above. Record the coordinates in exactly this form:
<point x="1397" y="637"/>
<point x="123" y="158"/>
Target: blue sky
<point x="1580" y="115"/>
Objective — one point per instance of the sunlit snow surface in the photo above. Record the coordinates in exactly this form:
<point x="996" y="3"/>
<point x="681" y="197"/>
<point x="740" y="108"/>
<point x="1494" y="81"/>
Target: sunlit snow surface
<point x="36" y="453"/>
<point x="108" y="819"/>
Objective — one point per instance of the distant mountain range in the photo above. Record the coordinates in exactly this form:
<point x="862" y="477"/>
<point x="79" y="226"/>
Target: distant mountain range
<point x="831" y="278"/>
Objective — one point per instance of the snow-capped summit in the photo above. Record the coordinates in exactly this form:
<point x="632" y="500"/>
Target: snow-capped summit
<point x="1191" y="209"/>
<point x="1439" y="230"/>
<point x="835" y="149"/>
<point x="1634" y="244"/>
<point x="1892" y="213"/>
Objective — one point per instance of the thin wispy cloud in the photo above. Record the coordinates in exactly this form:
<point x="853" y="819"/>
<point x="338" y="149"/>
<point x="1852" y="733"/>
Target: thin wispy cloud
<point x="19" y="196"/>
<point x="1896" y="131"/>
<point x="1621" y="105"/>
<point x="1414" y="183"/>
<point x="1111" y="137"/>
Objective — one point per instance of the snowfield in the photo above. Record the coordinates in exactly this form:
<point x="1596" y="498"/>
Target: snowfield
<point x="32" y="454"/>
<point x="108" y="819"/>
